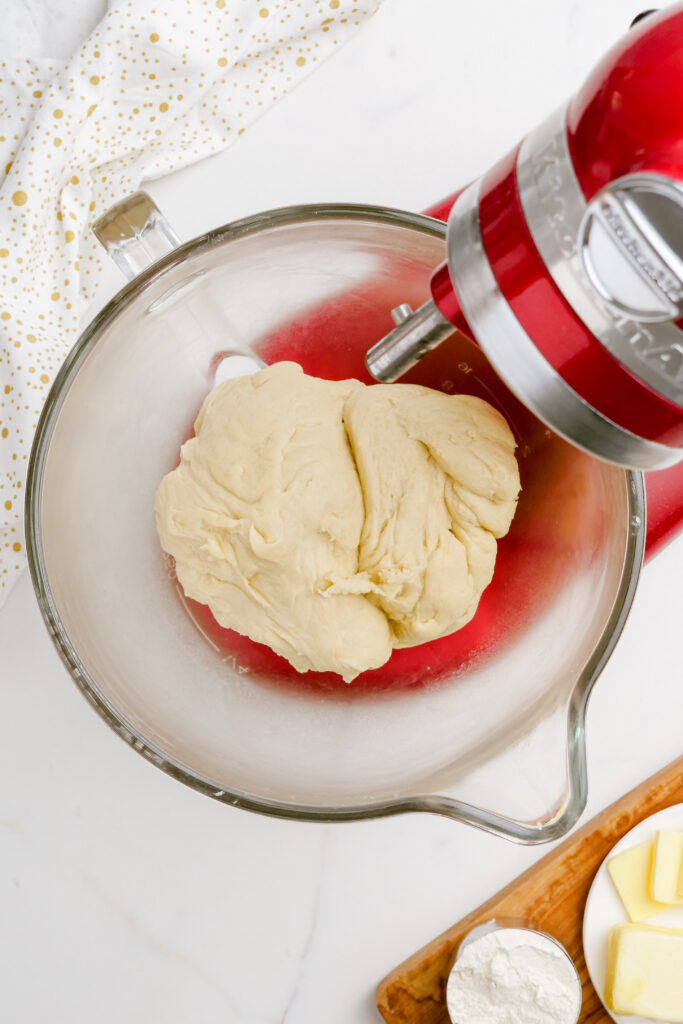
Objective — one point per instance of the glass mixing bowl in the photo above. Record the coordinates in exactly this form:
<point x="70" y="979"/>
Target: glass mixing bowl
<point x="485" y="727"/>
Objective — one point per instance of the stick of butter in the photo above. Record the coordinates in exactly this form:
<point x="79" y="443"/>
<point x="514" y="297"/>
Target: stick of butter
<point x="645" y="972"/>
<point x="666" y="867"/>
<point x="630" y="871"/>
<point x="680" y="880"/>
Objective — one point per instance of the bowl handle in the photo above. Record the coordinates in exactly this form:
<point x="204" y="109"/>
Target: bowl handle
<point x="135" y="233"/>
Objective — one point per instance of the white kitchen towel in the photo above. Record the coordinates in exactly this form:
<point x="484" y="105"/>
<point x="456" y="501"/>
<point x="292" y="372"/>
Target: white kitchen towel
<point x="155" y="87"/>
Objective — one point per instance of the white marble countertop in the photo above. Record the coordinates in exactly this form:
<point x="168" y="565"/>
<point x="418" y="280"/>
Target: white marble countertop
<point x="125" y="896"/>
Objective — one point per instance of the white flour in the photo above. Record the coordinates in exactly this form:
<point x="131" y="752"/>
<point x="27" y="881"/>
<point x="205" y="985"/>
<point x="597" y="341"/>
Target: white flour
<point x="513" y="976"/>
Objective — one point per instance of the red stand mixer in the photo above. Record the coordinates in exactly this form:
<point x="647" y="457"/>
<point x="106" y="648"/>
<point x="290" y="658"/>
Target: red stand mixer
<point x="565" y="264"/>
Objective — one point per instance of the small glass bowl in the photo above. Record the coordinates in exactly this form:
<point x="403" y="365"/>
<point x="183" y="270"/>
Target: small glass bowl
<point x="514" y="924"/>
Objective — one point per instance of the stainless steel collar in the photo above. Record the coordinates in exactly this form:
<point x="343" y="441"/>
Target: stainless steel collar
<point x="557" y="214"/>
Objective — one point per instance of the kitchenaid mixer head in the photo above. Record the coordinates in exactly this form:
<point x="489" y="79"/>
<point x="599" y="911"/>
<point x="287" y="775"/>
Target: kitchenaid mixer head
<point x="565" y="261"/>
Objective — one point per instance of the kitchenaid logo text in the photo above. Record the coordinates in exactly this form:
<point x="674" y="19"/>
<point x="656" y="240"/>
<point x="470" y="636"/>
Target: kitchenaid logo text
<point x="654" y="270"/>
<point x="666" y="358"/>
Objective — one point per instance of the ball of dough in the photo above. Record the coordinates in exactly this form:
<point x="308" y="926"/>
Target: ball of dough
<point x="335" y="521"/>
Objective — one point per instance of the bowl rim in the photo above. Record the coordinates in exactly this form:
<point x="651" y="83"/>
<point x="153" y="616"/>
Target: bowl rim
<point x="573" y="801"/>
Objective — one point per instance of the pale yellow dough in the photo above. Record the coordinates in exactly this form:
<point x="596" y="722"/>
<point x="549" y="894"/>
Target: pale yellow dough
<point x="335" y="521"/>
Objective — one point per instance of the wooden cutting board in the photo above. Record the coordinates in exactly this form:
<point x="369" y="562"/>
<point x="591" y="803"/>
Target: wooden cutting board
<point x="551" y="894"/>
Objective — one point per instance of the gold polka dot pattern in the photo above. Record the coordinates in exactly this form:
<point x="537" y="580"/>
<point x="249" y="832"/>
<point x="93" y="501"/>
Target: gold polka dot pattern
<point x="154" y="88"/>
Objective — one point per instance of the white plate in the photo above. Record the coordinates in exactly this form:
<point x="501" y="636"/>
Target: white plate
<point x="604" y="909"/>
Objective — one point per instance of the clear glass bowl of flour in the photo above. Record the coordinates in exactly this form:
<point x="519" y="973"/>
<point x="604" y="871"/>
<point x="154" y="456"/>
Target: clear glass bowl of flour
<point x="485" y="727"/>
<point x="506" y="971"/>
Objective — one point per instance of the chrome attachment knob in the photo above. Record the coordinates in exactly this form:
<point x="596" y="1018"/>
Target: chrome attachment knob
<point x="416" y="334"/>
